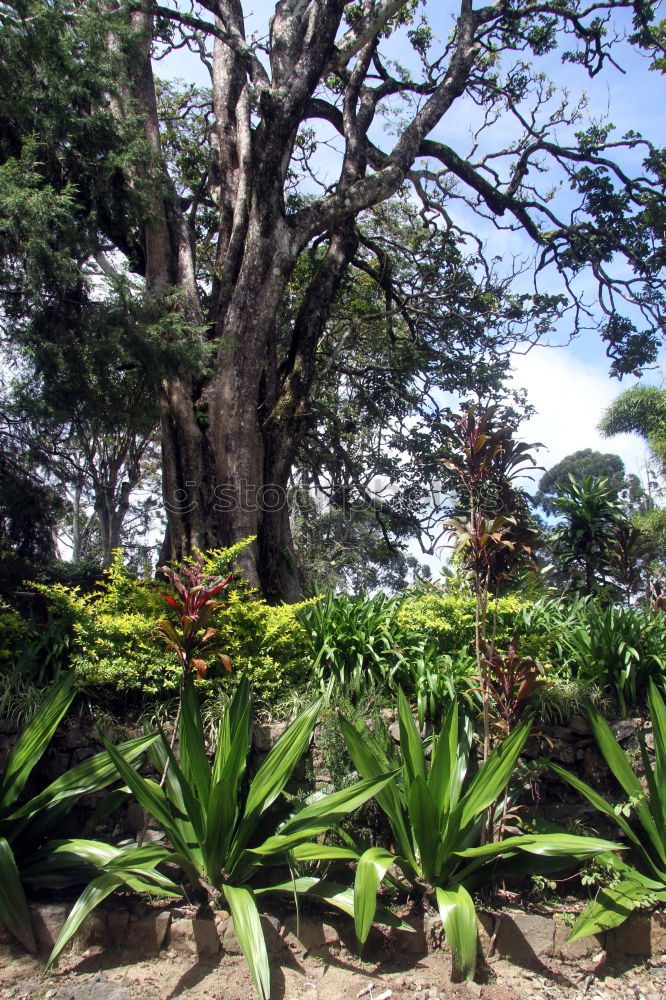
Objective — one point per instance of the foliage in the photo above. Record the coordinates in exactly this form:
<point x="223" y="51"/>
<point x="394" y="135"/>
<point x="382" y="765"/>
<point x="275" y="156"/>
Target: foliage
<point x="582" y="542"/>
<point x="220" y="826"/>
<point x="114" y="644"/>
<point x="26" y="852"/>
<point x="581" y="465"/>
<point x="620" y="648"/>
<point x="512" y="680"/>
<point x="436" y="814"/>
<point x="194" y="607"/>
<point x="641" y="818"/>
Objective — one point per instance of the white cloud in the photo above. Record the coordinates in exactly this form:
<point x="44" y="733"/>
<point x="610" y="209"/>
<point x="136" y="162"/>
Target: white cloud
<point x="570" y="396"/>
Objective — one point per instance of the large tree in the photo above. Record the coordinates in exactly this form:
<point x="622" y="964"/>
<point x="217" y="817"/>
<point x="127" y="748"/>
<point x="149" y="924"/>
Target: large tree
<point x="94" y="173"/>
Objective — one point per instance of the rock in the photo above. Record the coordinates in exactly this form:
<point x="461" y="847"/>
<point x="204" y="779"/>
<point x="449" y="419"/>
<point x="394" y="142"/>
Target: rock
<point x="230" y="945"/>
<point x="136" y="817"/>
<point x="524" y="938"/>
<point x="205" y="936"/>
<point x="272" y="934"/>
<point x="473" y="989"/>
<point x="574" y="950"/>
<point x="265" y="737"/>
<point x="658" y="934"/>
<point x="579" y="725"/>
<point x="633" y="937"/>
<point x="314" y="935"/>
<point x="410" y="942"/>
<point x="624" y="730"/>
<point x="181" y="937"/>
<point x="48" y="920"/>
<point x="93" y="931"/>
<point x="394" y="731"/>
<point x="148" y="934"/>
<point x="117" y="921"/>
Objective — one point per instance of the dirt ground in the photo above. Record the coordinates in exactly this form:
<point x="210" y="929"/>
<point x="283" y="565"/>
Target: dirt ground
<point x="118" y="975"/>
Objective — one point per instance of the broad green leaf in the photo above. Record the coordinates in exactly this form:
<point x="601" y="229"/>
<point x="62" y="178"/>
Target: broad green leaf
<point x="658" y="786"/>
<point x="372" y="866"/>
<point x="151" y="797"/>
<point x="619" y="765"/>
<point x="324" y="852"/>
<point x="492" y="778"/>
<point x="174" y="793"/>
<point x="272" y="776"/>
<point x="90" y="775"/>
<point x="425" y="823"/>
<point x="595" y="799"/>
<point x="369" y="765"/>
<point x="459" y="920"/>
<point x="236" y="726"/>
<point x="247" y="927"/>
<point x="326" y="811"/>
<point x="611" y="908"/>
<point x="411" y="747"/>
<point x="193" y="761"/>
<point x="34" y="739"/>
<point x="92" y="895"/>
<point x="336" y="895"/>
<point x="14" y="911"/>
<point x="444" y="752"/>
<point x="220" y="818"/>
<point x="548" y="844"/>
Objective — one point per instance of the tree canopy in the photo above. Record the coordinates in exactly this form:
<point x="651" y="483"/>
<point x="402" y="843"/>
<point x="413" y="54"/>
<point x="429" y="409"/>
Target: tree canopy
<point x="247" y="216"/>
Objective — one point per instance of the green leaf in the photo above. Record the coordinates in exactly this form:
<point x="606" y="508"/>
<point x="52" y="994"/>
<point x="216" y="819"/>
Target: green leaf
<point x="369" y="764"/>
<point x="221" y="814"/>
<point x="92" y="895"/>
<point x="658" y="786"/>
<point x="492" y="778"/>
<point x="90" y="775"/>
<point x="247" y="927"/>
<point x="611" y="908"/>
<point x="442" y="782"/>
<point x="619" y="765"/>
<point x="151" y="797"/>
<point x="547" y="844"/>
<point x="372" y="867"/>
<point x="324" y="852"/>
<point x="274" y="773"/>
<point x="325" y="812"/>
<point x="14" y="911"/>
<point x="459" y="920"/>
<point x="34" y="740"/>
<point x="342" y="897"/>
<point x="411" y="747"/>
<point x="425" y="822"/>
<point x="193" y="761"/>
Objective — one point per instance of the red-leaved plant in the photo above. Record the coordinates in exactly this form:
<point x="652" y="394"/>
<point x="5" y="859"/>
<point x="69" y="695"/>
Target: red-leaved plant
<point x="512" y="678"/>
<point x="194" y="606"/>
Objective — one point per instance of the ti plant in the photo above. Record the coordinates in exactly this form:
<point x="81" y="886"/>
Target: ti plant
<point x="641" y="818"/>
<point x="194" y="605"/>
<point x="26" y="853"/>
<point x="436" y="815"/>
<point x="512" y="679"/>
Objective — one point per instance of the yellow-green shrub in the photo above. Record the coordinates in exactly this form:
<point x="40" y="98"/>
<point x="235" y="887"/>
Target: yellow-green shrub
<point x="15" y="632"/>
<point x="448" y="620"/>
<point x="115" y="643"/>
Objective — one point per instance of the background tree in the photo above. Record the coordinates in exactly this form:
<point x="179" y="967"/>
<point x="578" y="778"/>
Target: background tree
<point x="580" y="465"/>
<point x="92" y="171"/>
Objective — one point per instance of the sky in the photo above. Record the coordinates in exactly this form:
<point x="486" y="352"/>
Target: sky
<point x="569" y="387"/>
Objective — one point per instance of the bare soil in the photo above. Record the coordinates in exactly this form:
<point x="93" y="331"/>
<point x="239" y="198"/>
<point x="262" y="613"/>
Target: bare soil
<point x="122" y="975"/>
